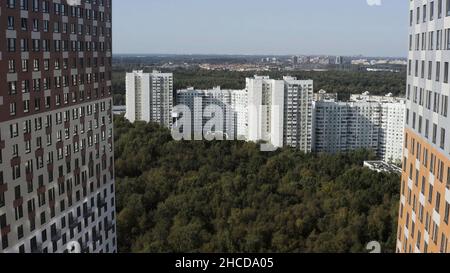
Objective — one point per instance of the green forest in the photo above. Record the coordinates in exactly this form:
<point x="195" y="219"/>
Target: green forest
<point x="342" y="82"/>
<point x="228" y="196"/>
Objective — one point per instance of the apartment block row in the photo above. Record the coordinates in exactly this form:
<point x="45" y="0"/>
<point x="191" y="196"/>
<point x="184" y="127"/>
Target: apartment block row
<point x="283" y="113"/>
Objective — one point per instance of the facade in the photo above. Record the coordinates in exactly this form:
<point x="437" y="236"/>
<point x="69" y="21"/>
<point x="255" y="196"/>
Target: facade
<point x="56" y="128"/>
<point x="266" y="108"/>
<point x="346" y="126"/>
<point x="239" y="103"/>
<point x="232" y="106"/>
<point x="393" y="116"/>
<point x="280" y="111"/>
<point x="374" y="123"/>
<point x="425" y="195"/>
<point x="298" y="112"/>
<point x="149" y="97"/>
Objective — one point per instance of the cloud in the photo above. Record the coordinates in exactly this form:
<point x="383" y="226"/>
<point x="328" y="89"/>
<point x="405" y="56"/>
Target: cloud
<point x="374" y="2"/>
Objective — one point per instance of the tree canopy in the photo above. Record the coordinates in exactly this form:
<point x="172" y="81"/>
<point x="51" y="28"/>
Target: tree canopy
<point x="229" y="196"/>
<point x="344" y="83"/>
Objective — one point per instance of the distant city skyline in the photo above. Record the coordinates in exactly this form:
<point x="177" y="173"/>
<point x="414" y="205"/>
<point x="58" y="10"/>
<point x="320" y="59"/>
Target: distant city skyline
<point x="261" y="27"/>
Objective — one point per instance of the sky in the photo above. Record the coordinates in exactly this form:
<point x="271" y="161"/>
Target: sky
<point x="278" y="27"/>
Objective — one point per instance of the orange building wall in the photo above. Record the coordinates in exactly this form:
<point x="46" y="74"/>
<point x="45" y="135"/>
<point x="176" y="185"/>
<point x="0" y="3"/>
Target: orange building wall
<point x="415" y="144"/>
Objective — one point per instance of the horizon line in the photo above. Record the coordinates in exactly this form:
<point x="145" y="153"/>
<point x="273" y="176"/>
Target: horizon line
<point x="256" y="55"/>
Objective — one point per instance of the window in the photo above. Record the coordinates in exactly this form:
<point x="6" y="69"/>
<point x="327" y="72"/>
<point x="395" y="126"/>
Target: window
<point x="2" y="194"/>
<point x="11" y="45"/>
<point x="444" y="108"/>
<point x="16" y="172"/>
<point x="446" y="72"/>
<point x="438" y="202"/>
<point x="430" y="70"/>
<point x="431" y="11"/>
<point x="434" y="133"/>
<point x="447" y="212"/>
<point x="444" y="243"/>
<point x="447" y="8"/>
<point x="14" y="130"/>
<point x="3" y="224"/>
<point x="438" y="70"/>
<point x="424" y="13"/>
<point x="11" y="66"/>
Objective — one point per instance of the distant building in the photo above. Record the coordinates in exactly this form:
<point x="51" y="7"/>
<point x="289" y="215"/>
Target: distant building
<point x="375" y="123"/>
<point x="149" y="97"/>
<point x="367" y="97"/>
<point x="322" y="95"/>
<point x="280" y="111"/>
<point x="339" y="60"/>
<point x="382" y="167"/>
<point x="266" y="107"/>
<point x="119" y="110"/>
<point x="298" y="112"/>
<point x="233" y="104"/>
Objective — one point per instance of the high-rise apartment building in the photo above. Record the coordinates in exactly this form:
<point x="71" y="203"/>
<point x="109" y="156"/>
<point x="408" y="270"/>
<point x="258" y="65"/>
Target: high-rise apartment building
<point x="239" y="104"/>
<point x="280" y="111"/>
<point x="266" y="109"/>
<point x="425" y="195"/>
<point x="149" y="97"/>
<point x="392" y="130"/>
<point x="364" y="122"/>
<point x="232" y="105"/>
<point x="298" y="113"/>
<point x="346" y="126"/>
<point x="56" y="127"/>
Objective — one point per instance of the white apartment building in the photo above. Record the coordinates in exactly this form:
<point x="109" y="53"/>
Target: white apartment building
<point x="280" y="111"/>
<point x="342" y="126"/>
<point x="392" y="131"/>
<point x="370" y="122"/>
<point x="239" y="104"/>
<point x="266" y="108"/>
<point x="233" y="106"/>
<point x="149" y="97"/>
<point x="298" y="112"/>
